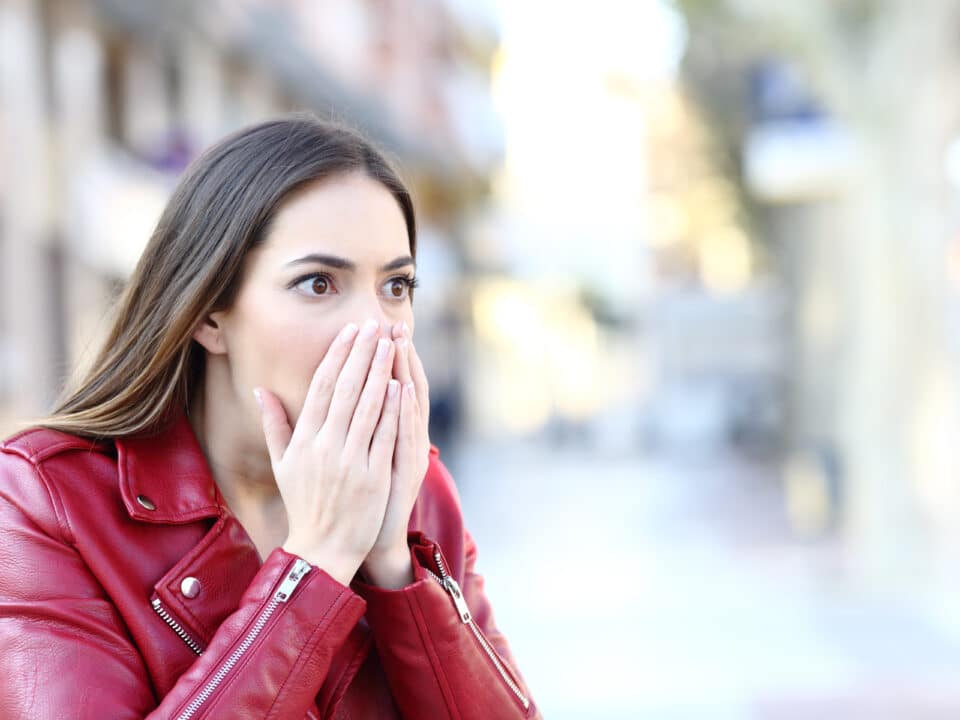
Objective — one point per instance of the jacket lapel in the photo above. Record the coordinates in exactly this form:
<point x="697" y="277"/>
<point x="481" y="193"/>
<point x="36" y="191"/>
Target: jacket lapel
<point x="164" y="478"/>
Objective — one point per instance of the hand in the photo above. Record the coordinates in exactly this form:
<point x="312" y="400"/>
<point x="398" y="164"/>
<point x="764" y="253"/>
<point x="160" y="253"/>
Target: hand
<point x="388" y="563"/>
<point x="333" y="469"/>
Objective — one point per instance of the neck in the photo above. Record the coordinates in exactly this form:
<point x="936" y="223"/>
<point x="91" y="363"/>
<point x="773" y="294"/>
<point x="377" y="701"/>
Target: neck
<point x="235" y="451"/>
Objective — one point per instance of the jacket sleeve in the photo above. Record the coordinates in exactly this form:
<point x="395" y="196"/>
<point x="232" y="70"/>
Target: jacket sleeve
<point x="442" y="654"/>
<point x="65" y="651"/>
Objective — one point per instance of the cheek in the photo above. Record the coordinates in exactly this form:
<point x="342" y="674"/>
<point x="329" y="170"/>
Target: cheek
<point x="282" y="355"/>
<point x="295" y="360"/>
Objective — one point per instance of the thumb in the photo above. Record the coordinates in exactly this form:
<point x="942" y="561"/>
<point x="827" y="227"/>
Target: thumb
<point x="276" y="429"/>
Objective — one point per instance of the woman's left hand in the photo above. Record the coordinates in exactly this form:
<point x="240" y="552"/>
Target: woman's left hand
<point x="388" y="563"/>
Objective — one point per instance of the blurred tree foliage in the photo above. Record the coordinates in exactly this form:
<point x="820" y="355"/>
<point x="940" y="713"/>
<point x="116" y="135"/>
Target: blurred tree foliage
<point x="829" y="41"/>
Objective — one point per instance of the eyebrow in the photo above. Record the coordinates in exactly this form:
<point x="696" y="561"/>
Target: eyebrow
<point x="344" y="264"/>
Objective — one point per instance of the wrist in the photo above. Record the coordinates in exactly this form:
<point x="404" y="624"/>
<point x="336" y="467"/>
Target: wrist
<point x="337" y="566"/>
<point x="391" y="569"/>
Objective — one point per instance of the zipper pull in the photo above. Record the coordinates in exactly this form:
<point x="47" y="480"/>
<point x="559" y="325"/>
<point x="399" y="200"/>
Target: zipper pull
<point x="300" y="568"/>
<point x="451" y="586"/>
<point x="454" y="589"/>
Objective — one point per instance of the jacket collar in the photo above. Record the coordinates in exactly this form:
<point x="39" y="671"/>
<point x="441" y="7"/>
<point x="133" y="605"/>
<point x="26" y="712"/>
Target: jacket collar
<point x="168" y="471"/>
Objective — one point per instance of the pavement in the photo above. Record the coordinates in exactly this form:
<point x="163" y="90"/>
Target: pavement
<point x="646" y="586"/>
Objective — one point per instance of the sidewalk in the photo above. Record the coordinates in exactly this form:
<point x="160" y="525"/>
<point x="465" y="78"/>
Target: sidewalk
<point x="655" y="588"/>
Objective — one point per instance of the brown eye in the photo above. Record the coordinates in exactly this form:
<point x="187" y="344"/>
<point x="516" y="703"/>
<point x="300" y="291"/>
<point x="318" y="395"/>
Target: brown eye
<point x="399" y="288"/>
<point x="315" y="285"/>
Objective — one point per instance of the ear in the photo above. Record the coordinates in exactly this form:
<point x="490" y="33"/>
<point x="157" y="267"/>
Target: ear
<point x="209" y="333"/>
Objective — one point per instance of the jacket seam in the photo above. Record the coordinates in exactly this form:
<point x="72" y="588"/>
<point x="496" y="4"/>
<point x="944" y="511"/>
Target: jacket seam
<point x="334" y="608"/>
<point x="349" y="673"/>
<point x="220" y="692"/>
<point x="63" y="524"/>
<point x="234" y="643"/>
<point x="232" y="677"/>
<point x="62" y="519"/>
<point x="416" y="610"/>
<point x="22" y="446"/>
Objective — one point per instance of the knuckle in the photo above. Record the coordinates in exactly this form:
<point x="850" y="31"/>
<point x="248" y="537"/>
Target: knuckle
<point x="347" y="385"/>
<point x="325" y="385"/>
<point x="321" y="447"/>
<point x="345" y="466"/>
<point x="363" y="481"/>
<point x="366" y="411"/>
<point x="323" y="371"/>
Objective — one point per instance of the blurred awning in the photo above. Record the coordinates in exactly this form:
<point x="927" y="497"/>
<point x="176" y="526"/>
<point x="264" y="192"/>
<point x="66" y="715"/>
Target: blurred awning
<point x="262" y="35"/>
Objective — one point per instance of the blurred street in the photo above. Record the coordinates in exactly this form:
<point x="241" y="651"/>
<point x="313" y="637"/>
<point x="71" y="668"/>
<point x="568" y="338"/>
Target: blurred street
<point x="689" y="305"/>
<point x="694" y="601"/>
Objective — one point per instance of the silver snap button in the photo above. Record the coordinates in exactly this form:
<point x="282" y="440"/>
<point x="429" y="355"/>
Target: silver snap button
<point x="190" y="587"/>
<point x="146" y="502"/>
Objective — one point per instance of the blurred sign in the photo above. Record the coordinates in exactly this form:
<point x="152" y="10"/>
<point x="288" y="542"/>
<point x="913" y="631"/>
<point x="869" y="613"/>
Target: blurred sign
<point x="798" y="161"/>
<point x="794" y="152"/>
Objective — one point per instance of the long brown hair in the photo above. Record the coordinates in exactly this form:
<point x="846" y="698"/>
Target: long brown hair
<point x="149" y="364"/>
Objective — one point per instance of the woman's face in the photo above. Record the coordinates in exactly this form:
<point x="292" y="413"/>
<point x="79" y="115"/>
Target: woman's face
<point x="337" y="252"/>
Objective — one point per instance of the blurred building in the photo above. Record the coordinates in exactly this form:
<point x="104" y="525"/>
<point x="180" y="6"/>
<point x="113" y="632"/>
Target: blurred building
<point x="842" y="119"/>
<point x="104" y="102"/>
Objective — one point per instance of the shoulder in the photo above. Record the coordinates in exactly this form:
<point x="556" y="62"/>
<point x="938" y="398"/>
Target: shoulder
<point x="37" y="444"/>
<point x="29" y="491"/>
<point x="438" y="484"/>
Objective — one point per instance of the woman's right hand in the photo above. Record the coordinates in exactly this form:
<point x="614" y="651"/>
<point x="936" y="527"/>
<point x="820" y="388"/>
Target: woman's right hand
<point x="333" y="468"/>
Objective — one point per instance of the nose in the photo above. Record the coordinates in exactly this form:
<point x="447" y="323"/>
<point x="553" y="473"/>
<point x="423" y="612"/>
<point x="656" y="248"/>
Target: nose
<point x="375" y="311"/>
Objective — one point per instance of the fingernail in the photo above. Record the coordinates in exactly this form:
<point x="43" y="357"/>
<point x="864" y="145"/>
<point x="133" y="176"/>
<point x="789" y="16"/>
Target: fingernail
<point x="392" y="387"/>
<point x="410" y="390"/>
<point x="370" y="328"/>
<point x="402" y="344"/>
<point x="383" y="345"/>
<point x="404" y="328"/>
<point x="259" y="397"/>
<point x="346" y="335"/>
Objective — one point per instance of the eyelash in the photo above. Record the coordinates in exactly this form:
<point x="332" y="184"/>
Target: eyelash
<point x="409" y="280"/>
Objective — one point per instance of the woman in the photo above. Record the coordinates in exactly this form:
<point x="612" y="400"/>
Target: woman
<point x="237" y="513"/>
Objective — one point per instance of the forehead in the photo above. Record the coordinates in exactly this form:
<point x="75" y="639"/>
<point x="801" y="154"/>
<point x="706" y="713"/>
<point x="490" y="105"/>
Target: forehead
<point x="350" y="215"/>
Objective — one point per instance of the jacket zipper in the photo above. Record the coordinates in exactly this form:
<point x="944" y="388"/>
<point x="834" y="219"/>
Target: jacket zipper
<point x="177" y="627"/>
<point x="281" y="595"/>
<point x="453" y="589"/>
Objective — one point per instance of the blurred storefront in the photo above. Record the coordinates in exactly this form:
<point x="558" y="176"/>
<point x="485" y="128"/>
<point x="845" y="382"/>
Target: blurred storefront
<point x="103" y="104"/>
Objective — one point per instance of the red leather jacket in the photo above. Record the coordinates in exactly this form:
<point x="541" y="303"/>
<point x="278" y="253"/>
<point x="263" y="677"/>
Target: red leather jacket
<point x="128" y="590"/>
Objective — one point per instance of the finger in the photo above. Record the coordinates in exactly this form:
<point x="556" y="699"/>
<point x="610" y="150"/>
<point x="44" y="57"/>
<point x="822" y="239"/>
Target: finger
<point x="349" y="384"/>
<point x="420" y="382"/>
<point x="406" y="444"/>
<point x="317" y="401"/>
<point x="401" y="365"/>
<point x="276" y="428"/>
<point x="367" y="413"/>
<point x="385" y="436"/>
